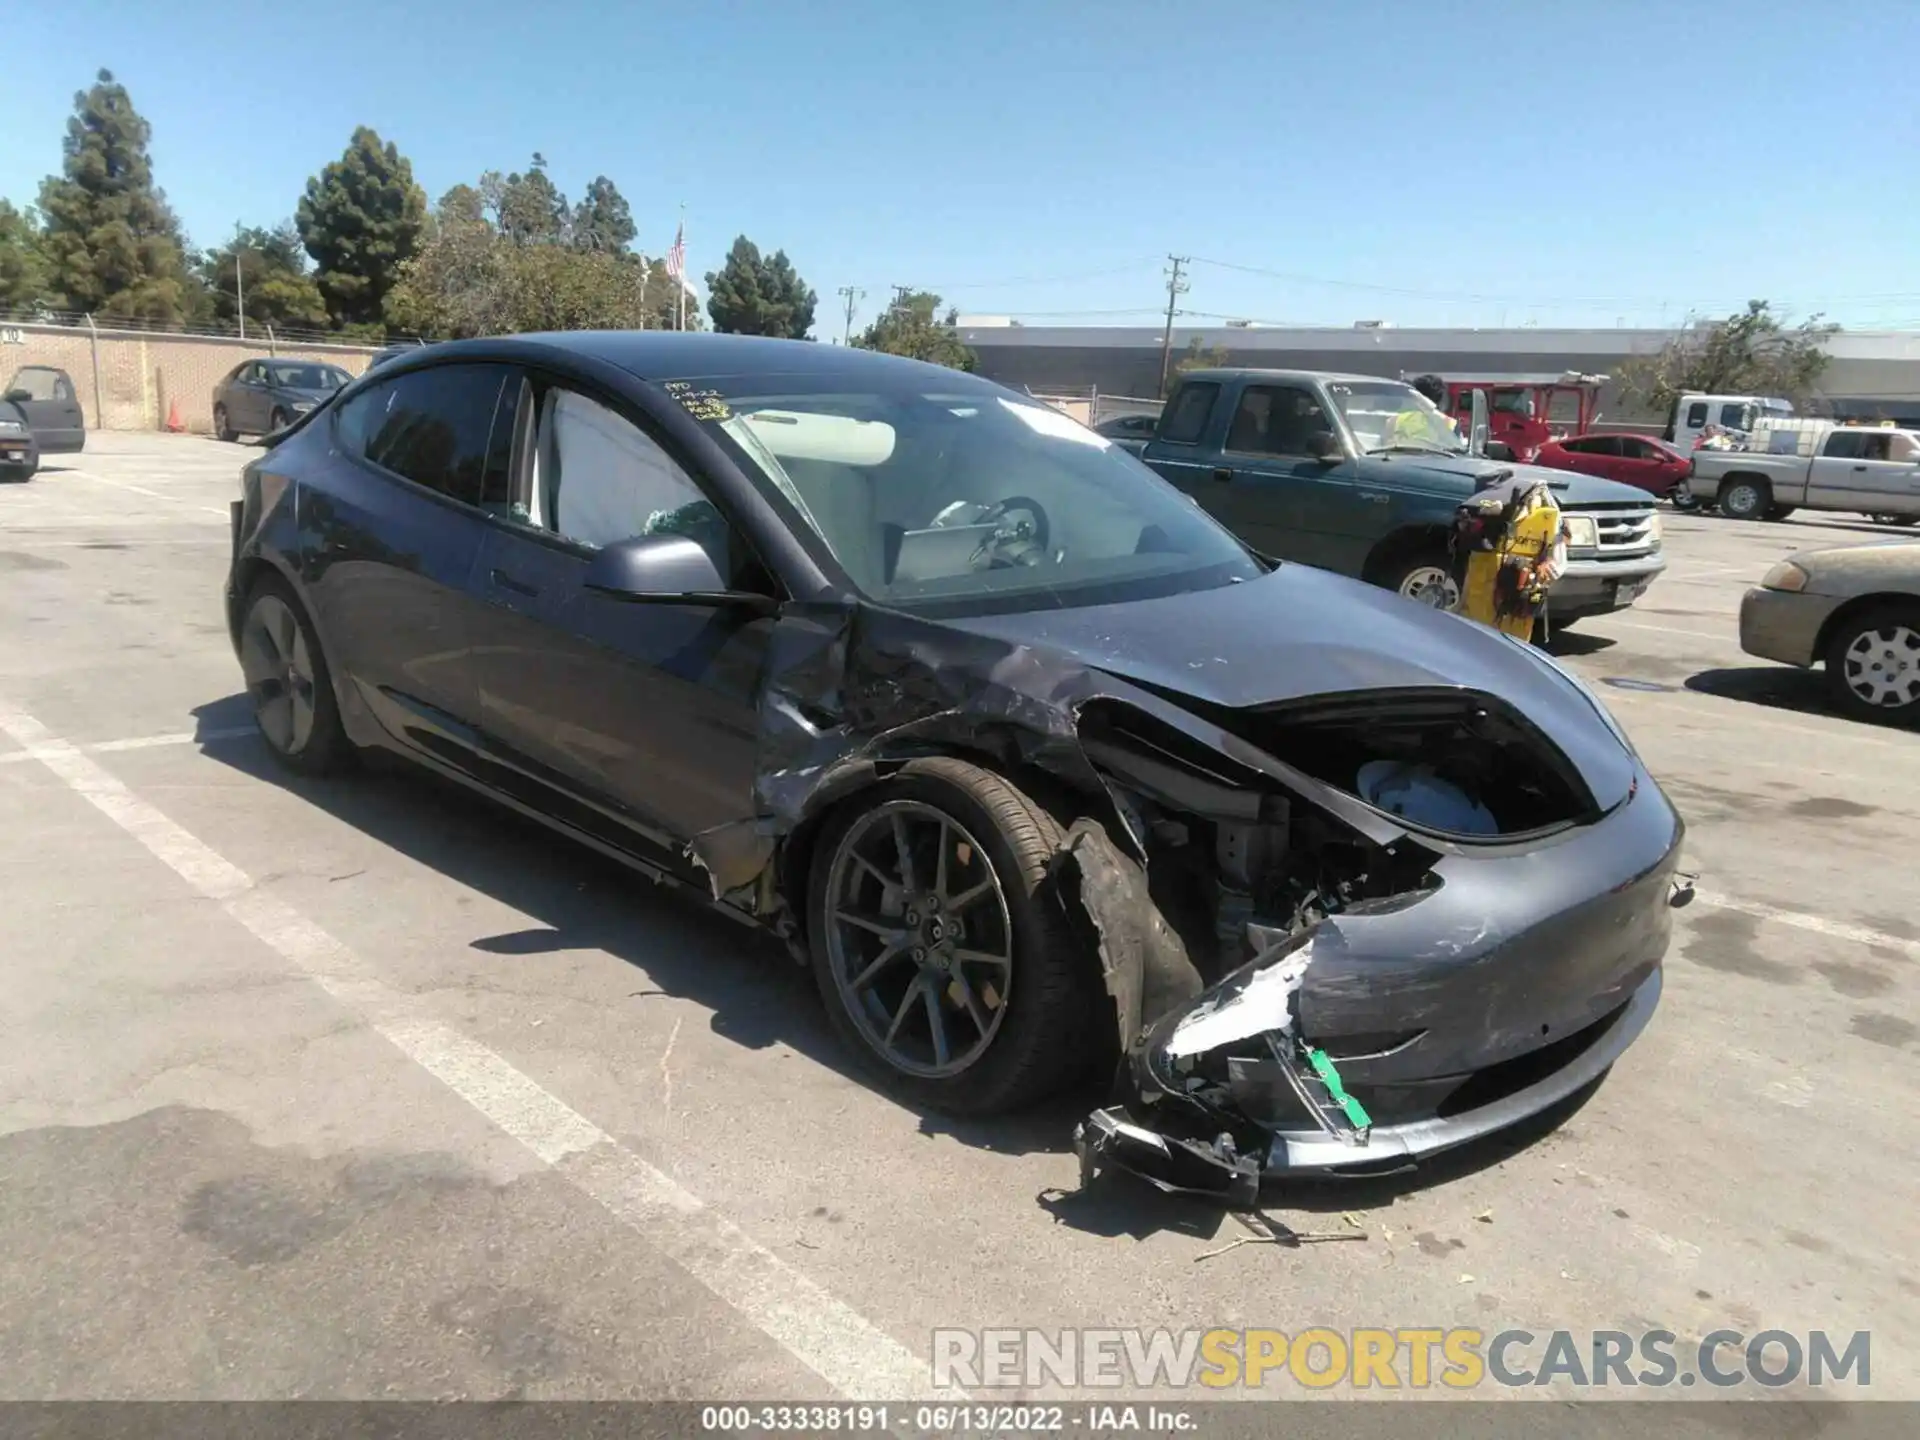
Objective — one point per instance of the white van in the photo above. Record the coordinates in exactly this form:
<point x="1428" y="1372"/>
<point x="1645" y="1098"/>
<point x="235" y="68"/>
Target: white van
<point x="1692" y="414"/>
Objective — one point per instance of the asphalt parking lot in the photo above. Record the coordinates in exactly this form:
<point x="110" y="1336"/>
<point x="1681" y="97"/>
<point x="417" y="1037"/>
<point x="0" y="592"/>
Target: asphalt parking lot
<point x="363" y="1089"/>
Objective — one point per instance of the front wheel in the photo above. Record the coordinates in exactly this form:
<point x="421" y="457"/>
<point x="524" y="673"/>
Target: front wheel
<point x="1426" y="579"/>
<point x="1873" y="664"/>
<point x="288" y="682"/>
<point x="222" y="426"/>
<point x="943" y="954"/>
<point x="277" y="422"/>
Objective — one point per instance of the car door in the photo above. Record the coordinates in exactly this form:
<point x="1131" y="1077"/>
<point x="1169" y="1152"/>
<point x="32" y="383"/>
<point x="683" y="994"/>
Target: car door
<point x="635" y="722"/>
<point x="393" y="525"/>
<point x="1884" y="479"/>
<point x="1267" y="489"/>
<point x="52" y="408"/>
<point x="1838" y="476"/>
<point x="1640" y="464"/>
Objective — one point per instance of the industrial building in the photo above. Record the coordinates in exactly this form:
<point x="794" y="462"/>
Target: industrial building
<point x="1874" y="374"/>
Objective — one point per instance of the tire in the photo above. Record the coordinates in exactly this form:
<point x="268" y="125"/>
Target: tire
<point x="281" y="658"/>
<point x="1742" y="498"/>
<point x="1038" y="1036"/>
<point x="277" y="421"/>
<point x="1424" y="577"/>
<point x="19" y="474"/>
<point x="221" y="429"/>
<point x="1873" y="664"/>
<point x="1892" y="519"/>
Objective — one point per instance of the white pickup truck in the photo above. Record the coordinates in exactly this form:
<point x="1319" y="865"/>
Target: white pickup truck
<point x="1868" y="470"/>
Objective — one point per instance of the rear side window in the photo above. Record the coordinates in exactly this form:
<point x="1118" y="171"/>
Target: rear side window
<point x="445" y="428"/>
<point x="1696" y="414"/>
<point x="40" y="383"/>
<point x="1187" y="413"/>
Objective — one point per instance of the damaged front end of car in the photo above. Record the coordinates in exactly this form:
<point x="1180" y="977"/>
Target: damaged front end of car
<point x="1339" y="931"/>
<point x="1464" y="933"/>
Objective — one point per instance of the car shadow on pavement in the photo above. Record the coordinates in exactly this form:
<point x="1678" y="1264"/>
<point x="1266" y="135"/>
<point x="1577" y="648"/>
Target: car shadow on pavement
<point x="1778" y="687"/>
<point x="1576" y="642"/>
<point x="581" y="899"/>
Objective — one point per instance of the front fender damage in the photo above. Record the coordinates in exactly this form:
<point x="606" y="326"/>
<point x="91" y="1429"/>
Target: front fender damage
<point x="1193" y="967"/>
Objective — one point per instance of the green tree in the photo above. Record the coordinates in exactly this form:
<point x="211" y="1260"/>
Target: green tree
<point x="1194" y="357"/>
<point x="602" y="220"/>
<point x="273" y="279"/>
<point x="360" y="220"/>
<point x="910" y="327"/>
<point x="528" y="209"/>
<point x="756" y="295"/>
<point x="23" y="269"/>
<point x="1749" y="353"/>
<point x="111" y="244"/>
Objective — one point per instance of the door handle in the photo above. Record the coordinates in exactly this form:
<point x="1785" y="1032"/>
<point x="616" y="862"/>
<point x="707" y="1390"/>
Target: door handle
<point x="1221" y="472"/>
<point x="519" y="587"/>
<point x="1377" y="497"/>
<point x="1860" y="467"/>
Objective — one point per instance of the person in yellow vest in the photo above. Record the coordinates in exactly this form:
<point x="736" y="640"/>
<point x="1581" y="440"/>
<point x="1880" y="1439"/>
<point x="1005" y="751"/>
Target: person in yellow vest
<point x="1427" y="424"/>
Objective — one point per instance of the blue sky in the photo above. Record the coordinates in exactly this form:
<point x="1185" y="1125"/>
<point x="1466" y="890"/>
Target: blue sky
<point x="1474" y="163"/>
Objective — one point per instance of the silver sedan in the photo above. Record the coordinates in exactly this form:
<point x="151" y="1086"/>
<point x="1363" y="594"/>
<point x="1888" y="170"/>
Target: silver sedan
<point x="1854" y="609"/>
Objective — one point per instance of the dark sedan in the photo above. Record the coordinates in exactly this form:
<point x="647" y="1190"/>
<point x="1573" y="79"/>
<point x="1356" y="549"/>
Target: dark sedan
<point x="259" y="397"/>
<point x="1029" y="759"/>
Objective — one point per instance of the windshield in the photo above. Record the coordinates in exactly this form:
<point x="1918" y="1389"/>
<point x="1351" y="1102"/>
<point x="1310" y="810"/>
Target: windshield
<point x="1385" y="416"/>
<point x="964" y="497"/>
<point x="306" y="377"/>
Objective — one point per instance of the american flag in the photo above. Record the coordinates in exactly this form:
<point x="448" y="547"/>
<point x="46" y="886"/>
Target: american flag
<point x="677" y="256"/>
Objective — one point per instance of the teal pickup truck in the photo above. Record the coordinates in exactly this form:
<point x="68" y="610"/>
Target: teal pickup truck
<point x="1361" y="475"/>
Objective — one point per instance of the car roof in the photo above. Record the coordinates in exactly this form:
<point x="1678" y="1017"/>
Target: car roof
<point x="1241" y="372"/>
<point x="658" y="355"/>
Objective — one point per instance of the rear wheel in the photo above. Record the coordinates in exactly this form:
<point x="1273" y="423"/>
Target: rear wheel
<point x="288" y="682"/>
<point x="945" y="959"/>
<point x="222" y="427"/>
<point x="1745" y="499"/>
<point x="1873" y="664"/>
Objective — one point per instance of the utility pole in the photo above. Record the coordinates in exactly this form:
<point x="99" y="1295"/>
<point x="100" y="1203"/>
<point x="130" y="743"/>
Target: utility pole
<point x="239" y="293"/>
<point x="1176" y="287"/>
<point x="851" y="295"/>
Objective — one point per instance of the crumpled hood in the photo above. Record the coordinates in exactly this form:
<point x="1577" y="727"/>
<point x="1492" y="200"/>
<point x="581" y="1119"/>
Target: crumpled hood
<point x="1299" y="633"/>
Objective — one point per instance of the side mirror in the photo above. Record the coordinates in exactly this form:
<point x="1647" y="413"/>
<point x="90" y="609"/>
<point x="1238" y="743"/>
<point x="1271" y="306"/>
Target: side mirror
<point x="667" y="570"/>
<point x="18" y="395"/>
<point x="1499" y="450"/>
<point x="1325" y="446"/>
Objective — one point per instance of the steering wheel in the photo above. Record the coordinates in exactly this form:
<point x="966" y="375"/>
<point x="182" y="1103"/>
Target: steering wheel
<point x="1039" y="531"/>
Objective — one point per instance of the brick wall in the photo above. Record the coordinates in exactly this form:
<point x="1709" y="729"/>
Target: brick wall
<point x="142" y="375"/>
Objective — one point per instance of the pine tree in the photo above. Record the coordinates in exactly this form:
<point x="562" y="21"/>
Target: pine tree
<point x="111" y="244"/>
<point x="361" y="220"/>
<point x="750" y="295"/>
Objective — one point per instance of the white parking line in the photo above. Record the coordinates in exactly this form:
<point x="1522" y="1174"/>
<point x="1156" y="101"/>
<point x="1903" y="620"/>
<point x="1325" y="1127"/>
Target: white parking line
<point x="1733" y="640"/>
<point x="151" y="494"/>
<point x="855" y="1357"/>
<point x="146" y="742"/>
<point x="1818" y="924"/>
